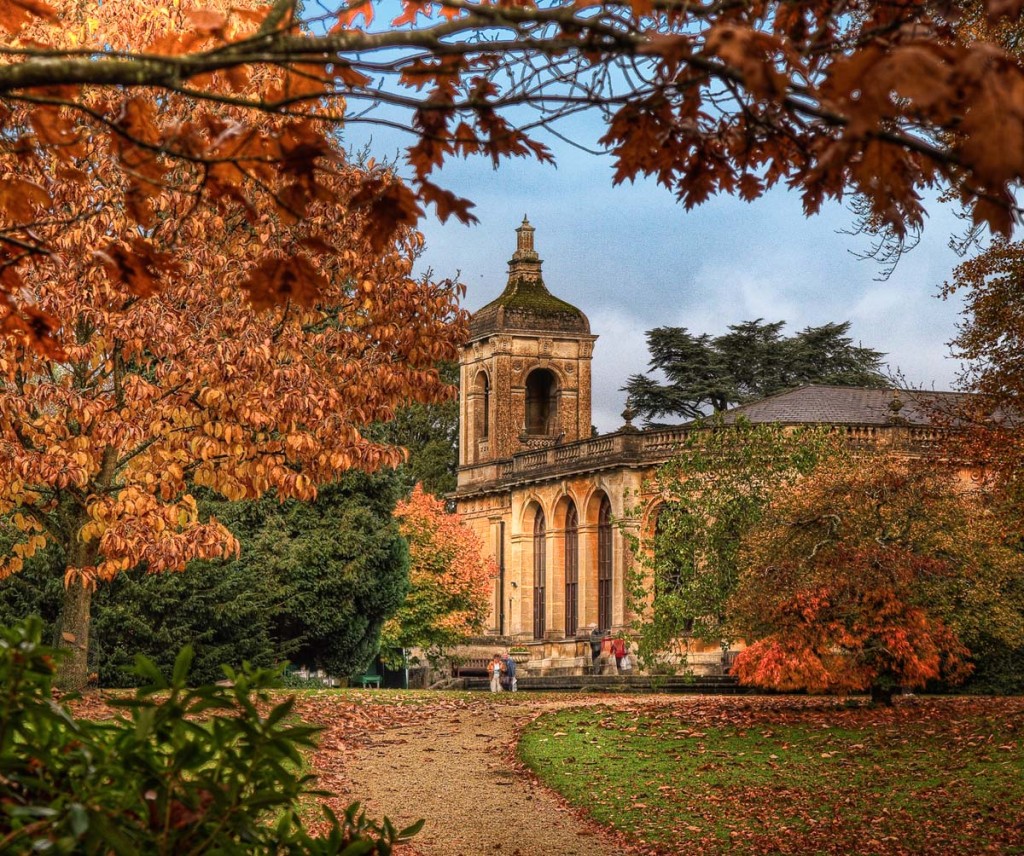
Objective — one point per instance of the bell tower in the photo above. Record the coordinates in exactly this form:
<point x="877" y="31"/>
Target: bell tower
<point x="525" y="372"/>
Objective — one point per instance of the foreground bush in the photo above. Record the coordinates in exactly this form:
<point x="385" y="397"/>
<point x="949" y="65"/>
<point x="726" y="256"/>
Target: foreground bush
<point x="180" y="771"/>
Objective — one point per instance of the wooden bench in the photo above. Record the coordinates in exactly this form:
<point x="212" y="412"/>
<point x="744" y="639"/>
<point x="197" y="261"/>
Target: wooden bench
<point x="365" y="681"/>
<point x="474" y="667"/>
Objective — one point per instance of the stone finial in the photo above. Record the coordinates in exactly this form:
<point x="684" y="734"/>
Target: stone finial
<point x="524" y="240"/>
<point x="628" y="415"/>
<point x="525" y="262"/>
<point x="895" y="406"/>
<point x="525" y="251"/>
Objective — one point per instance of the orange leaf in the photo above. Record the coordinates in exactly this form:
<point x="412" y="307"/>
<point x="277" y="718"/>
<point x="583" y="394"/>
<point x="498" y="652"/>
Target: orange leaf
<point x="356" y="9"/>
<point x="14" y="14"/>
<point x="206" y="21"/>
<point x="21" y="199"/>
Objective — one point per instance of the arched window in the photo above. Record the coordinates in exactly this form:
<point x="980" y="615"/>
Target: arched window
<point x="572" y="568"/>
<point x="604" y="565"/>
<point x="487" y="407"/>
<point x="483" y="404"/>
<point x="541" y="403"/>
<point x="539" y="565"/>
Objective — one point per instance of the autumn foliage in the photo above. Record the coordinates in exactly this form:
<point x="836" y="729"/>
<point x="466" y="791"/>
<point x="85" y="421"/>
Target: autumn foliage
<point x="706" y="500"/>
<point x="990" y="341"/>
<point x="164" y="376"/>
<point x="450" y="581"/>
<point x="873" y="574"/>
<point x="878" y="100"/>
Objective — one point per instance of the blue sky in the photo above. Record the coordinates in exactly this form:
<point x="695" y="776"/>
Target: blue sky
<point x="632" y="258"/>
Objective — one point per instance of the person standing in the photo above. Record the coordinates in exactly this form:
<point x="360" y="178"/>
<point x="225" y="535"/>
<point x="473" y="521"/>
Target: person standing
<point x="510" y="672"/>
<point x="618" y="651"/>
<point x="596" y="636"/>
<point x="494" y="670"/>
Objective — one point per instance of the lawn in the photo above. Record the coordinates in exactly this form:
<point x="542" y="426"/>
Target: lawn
<point x="793" y="775"/>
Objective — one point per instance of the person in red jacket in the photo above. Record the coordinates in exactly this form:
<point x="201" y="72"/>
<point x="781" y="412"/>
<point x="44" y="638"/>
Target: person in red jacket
<point x="618" y="651"/>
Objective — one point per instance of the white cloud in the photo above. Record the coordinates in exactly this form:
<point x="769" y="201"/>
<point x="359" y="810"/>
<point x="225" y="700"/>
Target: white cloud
<point x="620" y="351"/>
<point x="633" y="259"/>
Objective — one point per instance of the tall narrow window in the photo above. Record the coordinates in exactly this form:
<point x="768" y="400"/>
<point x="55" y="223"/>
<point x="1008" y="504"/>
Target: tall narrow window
<point x="485" y="429"/>
<point x="539" y="566"/>
<point x="604" y="565"/>
<point x="541" y="403"/>
<point x="483" y="405"/>
<point x="572" y="568"/>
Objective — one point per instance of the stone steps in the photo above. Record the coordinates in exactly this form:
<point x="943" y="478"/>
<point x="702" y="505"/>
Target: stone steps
<point x="699" y="684"/>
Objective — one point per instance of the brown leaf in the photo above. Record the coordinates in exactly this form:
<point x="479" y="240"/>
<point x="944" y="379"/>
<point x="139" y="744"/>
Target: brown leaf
<point x="22" y="199"/>
<point x="447" y="203"/>
<point x="388" y="205"/>
<point x="139" y="266"/>
<point x="277" y="279"/>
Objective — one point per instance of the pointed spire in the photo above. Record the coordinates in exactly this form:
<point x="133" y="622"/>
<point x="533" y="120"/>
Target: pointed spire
<point x="525" y="262"/>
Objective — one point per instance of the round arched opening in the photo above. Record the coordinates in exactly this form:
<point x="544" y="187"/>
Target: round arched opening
<point x="541" y="403"/>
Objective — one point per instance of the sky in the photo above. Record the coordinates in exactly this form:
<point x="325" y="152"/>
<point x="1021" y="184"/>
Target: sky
<point x="632" y="259"/>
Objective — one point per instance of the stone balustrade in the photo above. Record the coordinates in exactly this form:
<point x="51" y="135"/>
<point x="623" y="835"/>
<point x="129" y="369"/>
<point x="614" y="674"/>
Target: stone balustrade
<point x="653" y="447"/>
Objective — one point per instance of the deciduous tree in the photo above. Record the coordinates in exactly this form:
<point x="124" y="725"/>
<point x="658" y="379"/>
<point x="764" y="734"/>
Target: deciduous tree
<point x="753" y="360"/>
<point x="706" y="499"/>
<point x="873" y="574"/>
<point x="990" y="342"/>
<point x="878" y="99"/>
<point x="451" y="583"/>
<point x="166" y="375"/>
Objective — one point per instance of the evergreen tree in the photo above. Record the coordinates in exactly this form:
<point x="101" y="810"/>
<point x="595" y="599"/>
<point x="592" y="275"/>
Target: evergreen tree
<point x="430" y="433"/>
<point x="313" y="584"/>
<point x="754" y="359"/>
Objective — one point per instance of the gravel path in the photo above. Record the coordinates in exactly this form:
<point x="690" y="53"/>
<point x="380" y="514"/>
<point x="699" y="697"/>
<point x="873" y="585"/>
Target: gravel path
<point x="452" y="769"/>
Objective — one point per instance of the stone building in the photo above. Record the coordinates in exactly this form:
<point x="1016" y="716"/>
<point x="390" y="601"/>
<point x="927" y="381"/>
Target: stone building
<point x="542" y="490"/>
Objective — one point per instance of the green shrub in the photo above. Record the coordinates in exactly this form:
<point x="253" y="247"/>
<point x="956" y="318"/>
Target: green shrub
<point x="180" y="771"/>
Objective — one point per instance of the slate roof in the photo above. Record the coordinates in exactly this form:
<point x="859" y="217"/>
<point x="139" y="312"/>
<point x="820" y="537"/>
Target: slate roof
<point x="841" y="405"/>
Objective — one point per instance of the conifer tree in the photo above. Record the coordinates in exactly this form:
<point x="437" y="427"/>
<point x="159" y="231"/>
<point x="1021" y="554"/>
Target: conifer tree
<point x="704" y="374"/>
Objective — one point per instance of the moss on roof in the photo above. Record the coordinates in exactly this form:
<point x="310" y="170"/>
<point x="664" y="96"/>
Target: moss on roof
<point x="526" y="304"/>
<point x="531" y="294"/>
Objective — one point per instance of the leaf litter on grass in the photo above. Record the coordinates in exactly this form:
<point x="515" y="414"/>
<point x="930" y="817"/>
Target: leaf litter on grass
<point x="795" y="775"/>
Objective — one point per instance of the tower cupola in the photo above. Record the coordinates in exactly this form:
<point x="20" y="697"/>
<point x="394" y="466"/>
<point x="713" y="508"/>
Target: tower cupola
<point x="525" y="372"/>
<point x="526" y="304"/>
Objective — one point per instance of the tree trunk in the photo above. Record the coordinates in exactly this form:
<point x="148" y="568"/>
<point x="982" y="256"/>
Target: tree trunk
<point x="883" y="695"/>
<point x="73" y="623"/>
<point x="73" y="637"/>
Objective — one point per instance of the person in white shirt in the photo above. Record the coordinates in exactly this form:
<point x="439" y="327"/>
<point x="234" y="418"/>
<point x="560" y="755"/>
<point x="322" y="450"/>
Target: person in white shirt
<point x="494" y="669"/>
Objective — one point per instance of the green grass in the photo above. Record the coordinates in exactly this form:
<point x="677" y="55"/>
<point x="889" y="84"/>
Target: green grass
<point x="945" y="777"/>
